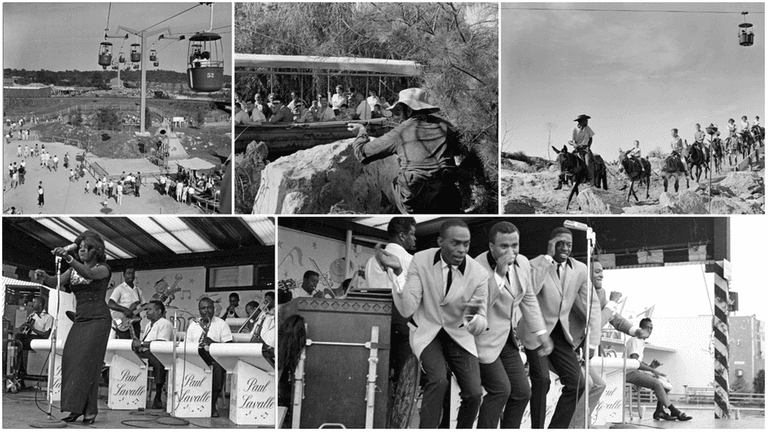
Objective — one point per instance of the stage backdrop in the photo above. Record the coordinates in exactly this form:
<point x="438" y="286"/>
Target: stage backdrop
<point x="299" y="252"/>
<point x="186" y="287"/>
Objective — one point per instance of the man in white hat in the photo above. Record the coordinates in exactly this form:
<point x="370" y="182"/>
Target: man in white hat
<point x="582" y="142"/>
<point x="425" y="146"/>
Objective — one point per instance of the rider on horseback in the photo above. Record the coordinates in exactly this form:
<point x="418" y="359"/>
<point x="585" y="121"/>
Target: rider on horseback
<point x="635" y="155"/>
<point x="698" y="137"/>
<point x="582" y="142"/>
<point x="677" y="150"/>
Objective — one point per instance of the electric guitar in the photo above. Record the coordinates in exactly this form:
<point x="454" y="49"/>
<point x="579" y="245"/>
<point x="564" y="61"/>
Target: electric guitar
<point x="123" y="323"/>
<point x="28" y="325"/>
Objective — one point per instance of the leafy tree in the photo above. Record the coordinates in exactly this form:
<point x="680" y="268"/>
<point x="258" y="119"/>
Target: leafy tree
<point x="740" y="386"/>
<point x="758" y="384"/>
<point x="107" y="119"/>
<point x="456" y="44"/>
<point x="76" y="118"/>
<point x="200" y="117"/>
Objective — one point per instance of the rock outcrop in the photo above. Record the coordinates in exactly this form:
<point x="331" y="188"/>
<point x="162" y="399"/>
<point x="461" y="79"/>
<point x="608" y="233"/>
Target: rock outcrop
<point x="323" y="178"/>
<point x="599" y="201"/>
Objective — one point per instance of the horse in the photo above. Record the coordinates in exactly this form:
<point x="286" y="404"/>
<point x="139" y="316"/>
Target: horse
<point x="717" y="154"/>
<point x="600" y="177"/>
<point x="759" y="133"/>
<point x="575" y="167"/>
<point x="697" y="157"/>
<point x="631" y="168"/>
<point x="747" y="141"/>
<point x="674" y="167"/>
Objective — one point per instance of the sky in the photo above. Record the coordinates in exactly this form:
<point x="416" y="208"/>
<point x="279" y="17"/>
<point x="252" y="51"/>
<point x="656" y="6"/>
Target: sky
<point x="66" y="36"/>
<point x="637" y="75"/>
<point x="686" y="291"/>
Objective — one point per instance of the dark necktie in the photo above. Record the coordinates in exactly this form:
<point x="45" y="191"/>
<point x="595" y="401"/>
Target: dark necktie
<point x="558" y="270"/>
<point x="450" y="280"/>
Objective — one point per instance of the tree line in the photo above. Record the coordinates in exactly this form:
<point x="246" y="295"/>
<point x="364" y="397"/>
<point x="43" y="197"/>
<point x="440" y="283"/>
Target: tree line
<point x="456" y="44"/>
<point x="97" y="79"/>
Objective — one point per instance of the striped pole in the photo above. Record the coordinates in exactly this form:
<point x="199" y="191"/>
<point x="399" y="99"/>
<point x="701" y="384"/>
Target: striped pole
<point x="720" y="328"/>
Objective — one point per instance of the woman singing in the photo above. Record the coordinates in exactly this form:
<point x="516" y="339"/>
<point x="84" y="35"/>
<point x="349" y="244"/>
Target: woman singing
<point x="86" y="343"/>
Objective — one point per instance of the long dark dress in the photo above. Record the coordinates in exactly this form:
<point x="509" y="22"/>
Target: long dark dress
<point x="85" y="346"/>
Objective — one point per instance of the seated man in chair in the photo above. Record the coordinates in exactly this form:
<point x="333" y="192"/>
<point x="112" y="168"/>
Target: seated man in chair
<point x="158" y="329"/>
<point x="37" y="326"/>
<point x="648" y="377"/>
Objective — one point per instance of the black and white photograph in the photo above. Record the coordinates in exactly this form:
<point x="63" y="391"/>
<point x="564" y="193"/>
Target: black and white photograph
<point x="486" y="322"/>
<point x="632" y="108"/>
<point x="158" y="322"/>
<point x="131" y="101"/>
<point x="366" y="108"/>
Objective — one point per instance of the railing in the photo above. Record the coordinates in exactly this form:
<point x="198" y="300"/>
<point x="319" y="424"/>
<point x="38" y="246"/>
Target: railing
<point x="699" y="395"/>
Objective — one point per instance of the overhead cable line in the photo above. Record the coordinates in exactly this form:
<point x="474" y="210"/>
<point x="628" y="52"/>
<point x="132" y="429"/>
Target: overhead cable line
<point x="621" y="10"/>
<point x="171" y="17"/>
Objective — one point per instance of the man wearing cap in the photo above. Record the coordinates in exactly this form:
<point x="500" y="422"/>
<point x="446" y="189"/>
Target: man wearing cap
<point x="581" y="141"/>
<point x="425" y="146"/>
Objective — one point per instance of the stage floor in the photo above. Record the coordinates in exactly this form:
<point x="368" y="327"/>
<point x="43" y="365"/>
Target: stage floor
<point x="20" y="409"/>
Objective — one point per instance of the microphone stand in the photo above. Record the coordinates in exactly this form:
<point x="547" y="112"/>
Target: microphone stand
<point x="50" y="421"/>
<point x="590" y="245"/>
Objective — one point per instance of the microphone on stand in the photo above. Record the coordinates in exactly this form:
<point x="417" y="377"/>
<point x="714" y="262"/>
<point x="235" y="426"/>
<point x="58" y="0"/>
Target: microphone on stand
<point x="72" y="247"/>
<point x="578" y="226"/>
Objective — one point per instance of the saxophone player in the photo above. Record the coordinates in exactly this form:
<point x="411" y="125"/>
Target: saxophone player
<point x="205" y="331"/>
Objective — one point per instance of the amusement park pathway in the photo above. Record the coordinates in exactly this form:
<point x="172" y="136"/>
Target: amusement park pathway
<point x="65" y="197"/>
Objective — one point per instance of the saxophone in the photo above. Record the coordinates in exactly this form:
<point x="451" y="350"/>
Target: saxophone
<point x="202" y="349"/>
<point x="205" y="324"/>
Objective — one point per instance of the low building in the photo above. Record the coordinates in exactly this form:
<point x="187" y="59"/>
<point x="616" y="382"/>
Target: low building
<point x="26" y="92"/>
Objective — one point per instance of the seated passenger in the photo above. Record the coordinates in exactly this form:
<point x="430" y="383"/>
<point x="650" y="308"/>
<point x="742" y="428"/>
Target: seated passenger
<point x="301" y="114"/>
<point x="322" y="112"/>
<point x="281" y="113"/>
<point x="648" y="377"/>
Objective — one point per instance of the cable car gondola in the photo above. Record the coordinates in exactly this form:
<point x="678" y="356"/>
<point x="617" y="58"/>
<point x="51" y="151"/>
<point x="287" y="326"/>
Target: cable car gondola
<point x="153" y="55"/>
<point x="121" y="57"/>
<point x="746" y="37"/>
<point x="135" y="53"/>
<point x="105" y="54"/>
<point x="206" y="64"/>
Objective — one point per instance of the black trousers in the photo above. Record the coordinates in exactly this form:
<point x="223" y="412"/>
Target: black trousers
<point x="25" y="341"/>
<point x="507" y="389"/>
<point x="564" y="363"/>
<point x="465" y="367"/>
<point x="158" y="372"/>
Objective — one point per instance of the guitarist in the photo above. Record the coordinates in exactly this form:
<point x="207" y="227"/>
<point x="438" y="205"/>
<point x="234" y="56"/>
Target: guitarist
<point x="123" y="302"/>
<point x="37" y="326"/>
<point x="158" y="329"/>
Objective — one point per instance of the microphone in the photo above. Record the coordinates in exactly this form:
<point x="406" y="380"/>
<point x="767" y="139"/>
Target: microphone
<point x="69" y="248"/>
<point x="575" y="225"/>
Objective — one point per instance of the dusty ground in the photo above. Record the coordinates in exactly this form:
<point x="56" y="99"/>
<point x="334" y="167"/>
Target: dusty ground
<point x="529" y="189"/>
<point x="65" y="197"/>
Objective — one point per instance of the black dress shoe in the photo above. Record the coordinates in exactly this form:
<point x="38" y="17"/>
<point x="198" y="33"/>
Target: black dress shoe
<point x="70" y="418"/>
<point x="663" y="416"/>
<point x="682" y="417"/>
<point x="89" y="420"/>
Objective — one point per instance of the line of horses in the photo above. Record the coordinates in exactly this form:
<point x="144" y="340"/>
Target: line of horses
<point x="638" y="171"/>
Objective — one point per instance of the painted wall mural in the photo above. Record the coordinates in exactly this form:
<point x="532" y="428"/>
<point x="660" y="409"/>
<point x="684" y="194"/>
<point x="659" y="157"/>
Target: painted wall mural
<point x="299" y="252"/>
<point x="180" y="289"/>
